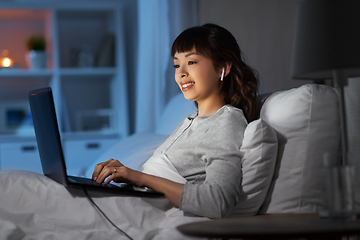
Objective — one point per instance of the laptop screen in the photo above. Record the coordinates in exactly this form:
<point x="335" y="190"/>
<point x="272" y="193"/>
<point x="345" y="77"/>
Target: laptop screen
<point x="47" y="134"/>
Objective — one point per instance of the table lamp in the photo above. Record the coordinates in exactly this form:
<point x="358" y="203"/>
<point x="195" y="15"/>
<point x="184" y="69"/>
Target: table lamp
<point x="327" y="46"/>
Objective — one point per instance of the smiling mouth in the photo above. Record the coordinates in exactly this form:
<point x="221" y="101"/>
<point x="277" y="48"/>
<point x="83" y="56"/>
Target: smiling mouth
<point x="186" y="86"/>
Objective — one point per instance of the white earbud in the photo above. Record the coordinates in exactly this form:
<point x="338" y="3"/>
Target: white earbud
<point x="222" y="74"/>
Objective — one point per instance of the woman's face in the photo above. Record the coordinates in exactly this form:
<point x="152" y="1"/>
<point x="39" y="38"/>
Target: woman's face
<point x="196" y="76"/>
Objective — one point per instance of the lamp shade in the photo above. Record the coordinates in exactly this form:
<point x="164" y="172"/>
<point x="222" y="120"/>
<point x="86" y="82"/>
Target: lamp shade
<point x="327" y="38"/>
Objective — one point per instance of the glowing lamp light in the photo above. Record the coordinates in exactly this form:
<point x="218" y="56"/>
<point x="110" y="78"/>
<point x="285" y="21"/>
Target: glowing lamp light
<point x="5" y="61"/>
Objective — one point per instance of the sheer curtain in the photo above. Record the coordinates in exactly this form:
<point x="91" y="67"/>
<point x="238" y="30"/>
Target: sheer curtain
<point x="159" y="22"/>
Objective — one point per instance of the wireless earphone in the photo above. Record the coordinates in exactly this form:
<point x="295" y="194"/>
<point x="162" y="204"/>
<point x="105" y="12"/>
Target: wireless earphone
<point x="222" y="74"/>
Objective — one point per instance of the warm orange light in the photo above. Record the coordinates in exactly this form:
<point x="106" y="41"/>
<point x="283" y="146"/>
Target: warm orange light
<point x="6" y="62"/>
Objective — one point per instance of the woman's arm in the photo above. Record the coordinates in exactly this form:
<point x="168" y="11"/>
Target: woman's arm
<point x="114" y="170"/>
<point x="171" y="190"/>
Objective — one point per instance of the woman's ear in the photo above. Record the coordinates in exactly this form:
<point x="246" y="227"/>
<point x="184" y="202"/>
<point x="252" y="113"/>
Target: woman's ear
<point x="228" y="69"/>
<point x="225" y="71"/>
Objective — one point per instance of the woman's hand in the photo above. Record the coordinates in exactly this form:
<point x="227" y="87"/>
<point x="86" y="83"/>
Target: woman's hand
<point x="116" y="171"/>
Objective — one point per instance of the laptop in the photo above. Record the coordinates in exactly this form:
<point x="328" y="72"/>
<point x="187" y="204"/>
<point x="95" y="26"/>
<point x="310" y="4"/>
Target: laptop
<point x="51" y="154"/>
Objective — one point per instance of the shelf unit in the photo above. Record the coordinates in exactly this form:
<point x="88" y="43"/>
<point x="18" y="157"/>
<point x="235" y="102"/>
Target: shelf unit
<point x="86" y="71"/>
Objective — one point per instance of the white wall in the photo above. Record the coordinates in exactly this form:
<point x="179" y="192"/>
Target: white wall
<point x="264" y="30"/>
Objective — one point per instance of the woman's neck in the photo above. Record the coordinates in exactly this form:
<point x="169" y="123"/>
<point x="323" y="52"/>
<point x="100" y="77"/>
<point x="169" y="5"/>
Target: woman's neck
<point x="208" y="108"/>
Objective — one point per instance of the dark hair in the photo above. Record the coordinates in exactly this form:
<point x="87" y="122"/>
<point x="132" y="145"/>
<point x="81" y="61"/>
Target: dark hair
<point x="239" y="87"/>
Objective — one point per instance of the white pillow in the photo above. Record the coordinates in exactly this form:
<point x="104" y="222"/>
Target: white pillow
<point x="259" y="148"/>
<point x="307" y="125"/>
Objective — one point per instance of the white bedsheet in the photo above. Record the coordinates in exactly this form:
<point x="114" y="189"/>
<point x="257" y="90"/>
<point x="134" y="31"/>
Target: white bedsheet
<point x="34" y="207"/>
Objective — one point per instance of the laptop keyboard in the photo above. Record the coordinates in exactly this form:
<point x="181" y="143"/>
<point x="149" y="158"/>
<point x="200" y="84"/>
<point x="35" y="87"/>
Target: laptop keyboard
<point x="87" y="181"/>
<point x="84" y="181"/>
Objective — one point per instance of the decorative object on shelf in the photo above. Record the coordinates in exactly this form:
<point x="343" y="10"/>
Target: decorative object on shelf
<point x="86" y="58"/>
<point x="15" y="118"/>
<point x="37" y="56"/>
<point x="99" y="120"/>
<point x="106" y="52"/>
<point x="327" y="47"/>
<point x="82" y="57"/>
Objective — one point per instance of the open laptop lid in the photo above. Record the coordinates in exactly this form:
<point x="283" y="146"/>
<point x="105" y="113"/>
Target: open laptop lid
<point x="47" y="134"/>
<point x="50" y="150"/>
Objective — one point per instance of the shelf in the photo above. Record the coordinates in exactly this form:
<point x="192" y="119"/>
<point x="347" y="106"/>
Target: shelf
<point x="19" y="73"/>
<point x="84" y="42"/>
<point x="89" y="135"/>
<point x="25" y="73"/>
<point x="110" y="71"/>
<point x="8" y="138"/>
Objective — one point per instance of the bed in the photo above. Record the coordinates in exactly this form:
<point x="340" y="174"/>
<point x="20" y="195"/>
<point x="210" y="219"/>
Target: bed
<point x="35" y="207"/>
<point x="281" y="155"/>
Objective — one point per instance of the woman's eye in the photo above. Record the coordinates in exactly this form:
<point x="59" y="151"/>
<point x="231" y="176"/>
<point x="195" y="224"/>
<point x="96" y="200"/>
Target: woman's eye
<point x="191" y="62"/>
<point x="176" y="66"/>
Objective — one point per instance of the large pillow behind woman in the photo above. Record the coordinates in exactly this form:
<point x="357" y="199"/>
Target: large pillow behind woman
<point x="307" y="125"/>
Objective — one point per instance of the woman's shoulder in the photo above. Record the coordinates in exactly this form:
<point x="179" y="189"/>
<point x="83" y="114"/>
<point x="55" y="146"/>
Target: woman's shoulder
<point x="229" y="119"/>
<point x="230" y="113"/>
<point x="228" y="126"/>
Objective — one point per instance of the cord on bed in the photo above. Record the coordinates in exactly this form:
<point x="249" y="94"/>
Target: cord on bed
<point x="107" y="218"/>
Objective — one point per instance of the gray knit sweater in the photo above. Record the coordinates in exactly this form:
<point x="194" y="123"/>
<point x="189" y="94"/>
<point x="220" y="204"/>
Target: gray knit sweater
<point x="206" y="152"/>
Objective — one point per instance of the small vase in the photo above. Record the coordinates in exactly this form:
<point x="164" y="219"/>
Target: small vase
<point x="37" y="59"/>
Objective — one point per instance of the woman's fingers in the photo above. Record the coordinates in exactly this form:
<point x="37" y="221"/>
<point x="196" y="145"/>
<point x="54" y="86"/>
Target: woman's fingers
<point x="112" y="176"/>
<point x="120" y="174"/>
<point x="104" y="173"/>
<point x="100" y="167"/>
<point x="115" y="170"/>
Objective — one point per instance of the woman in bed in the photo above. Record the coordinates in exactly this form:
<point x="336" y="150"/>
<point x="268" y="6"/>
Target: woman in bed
<point x="201" y="161"/>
